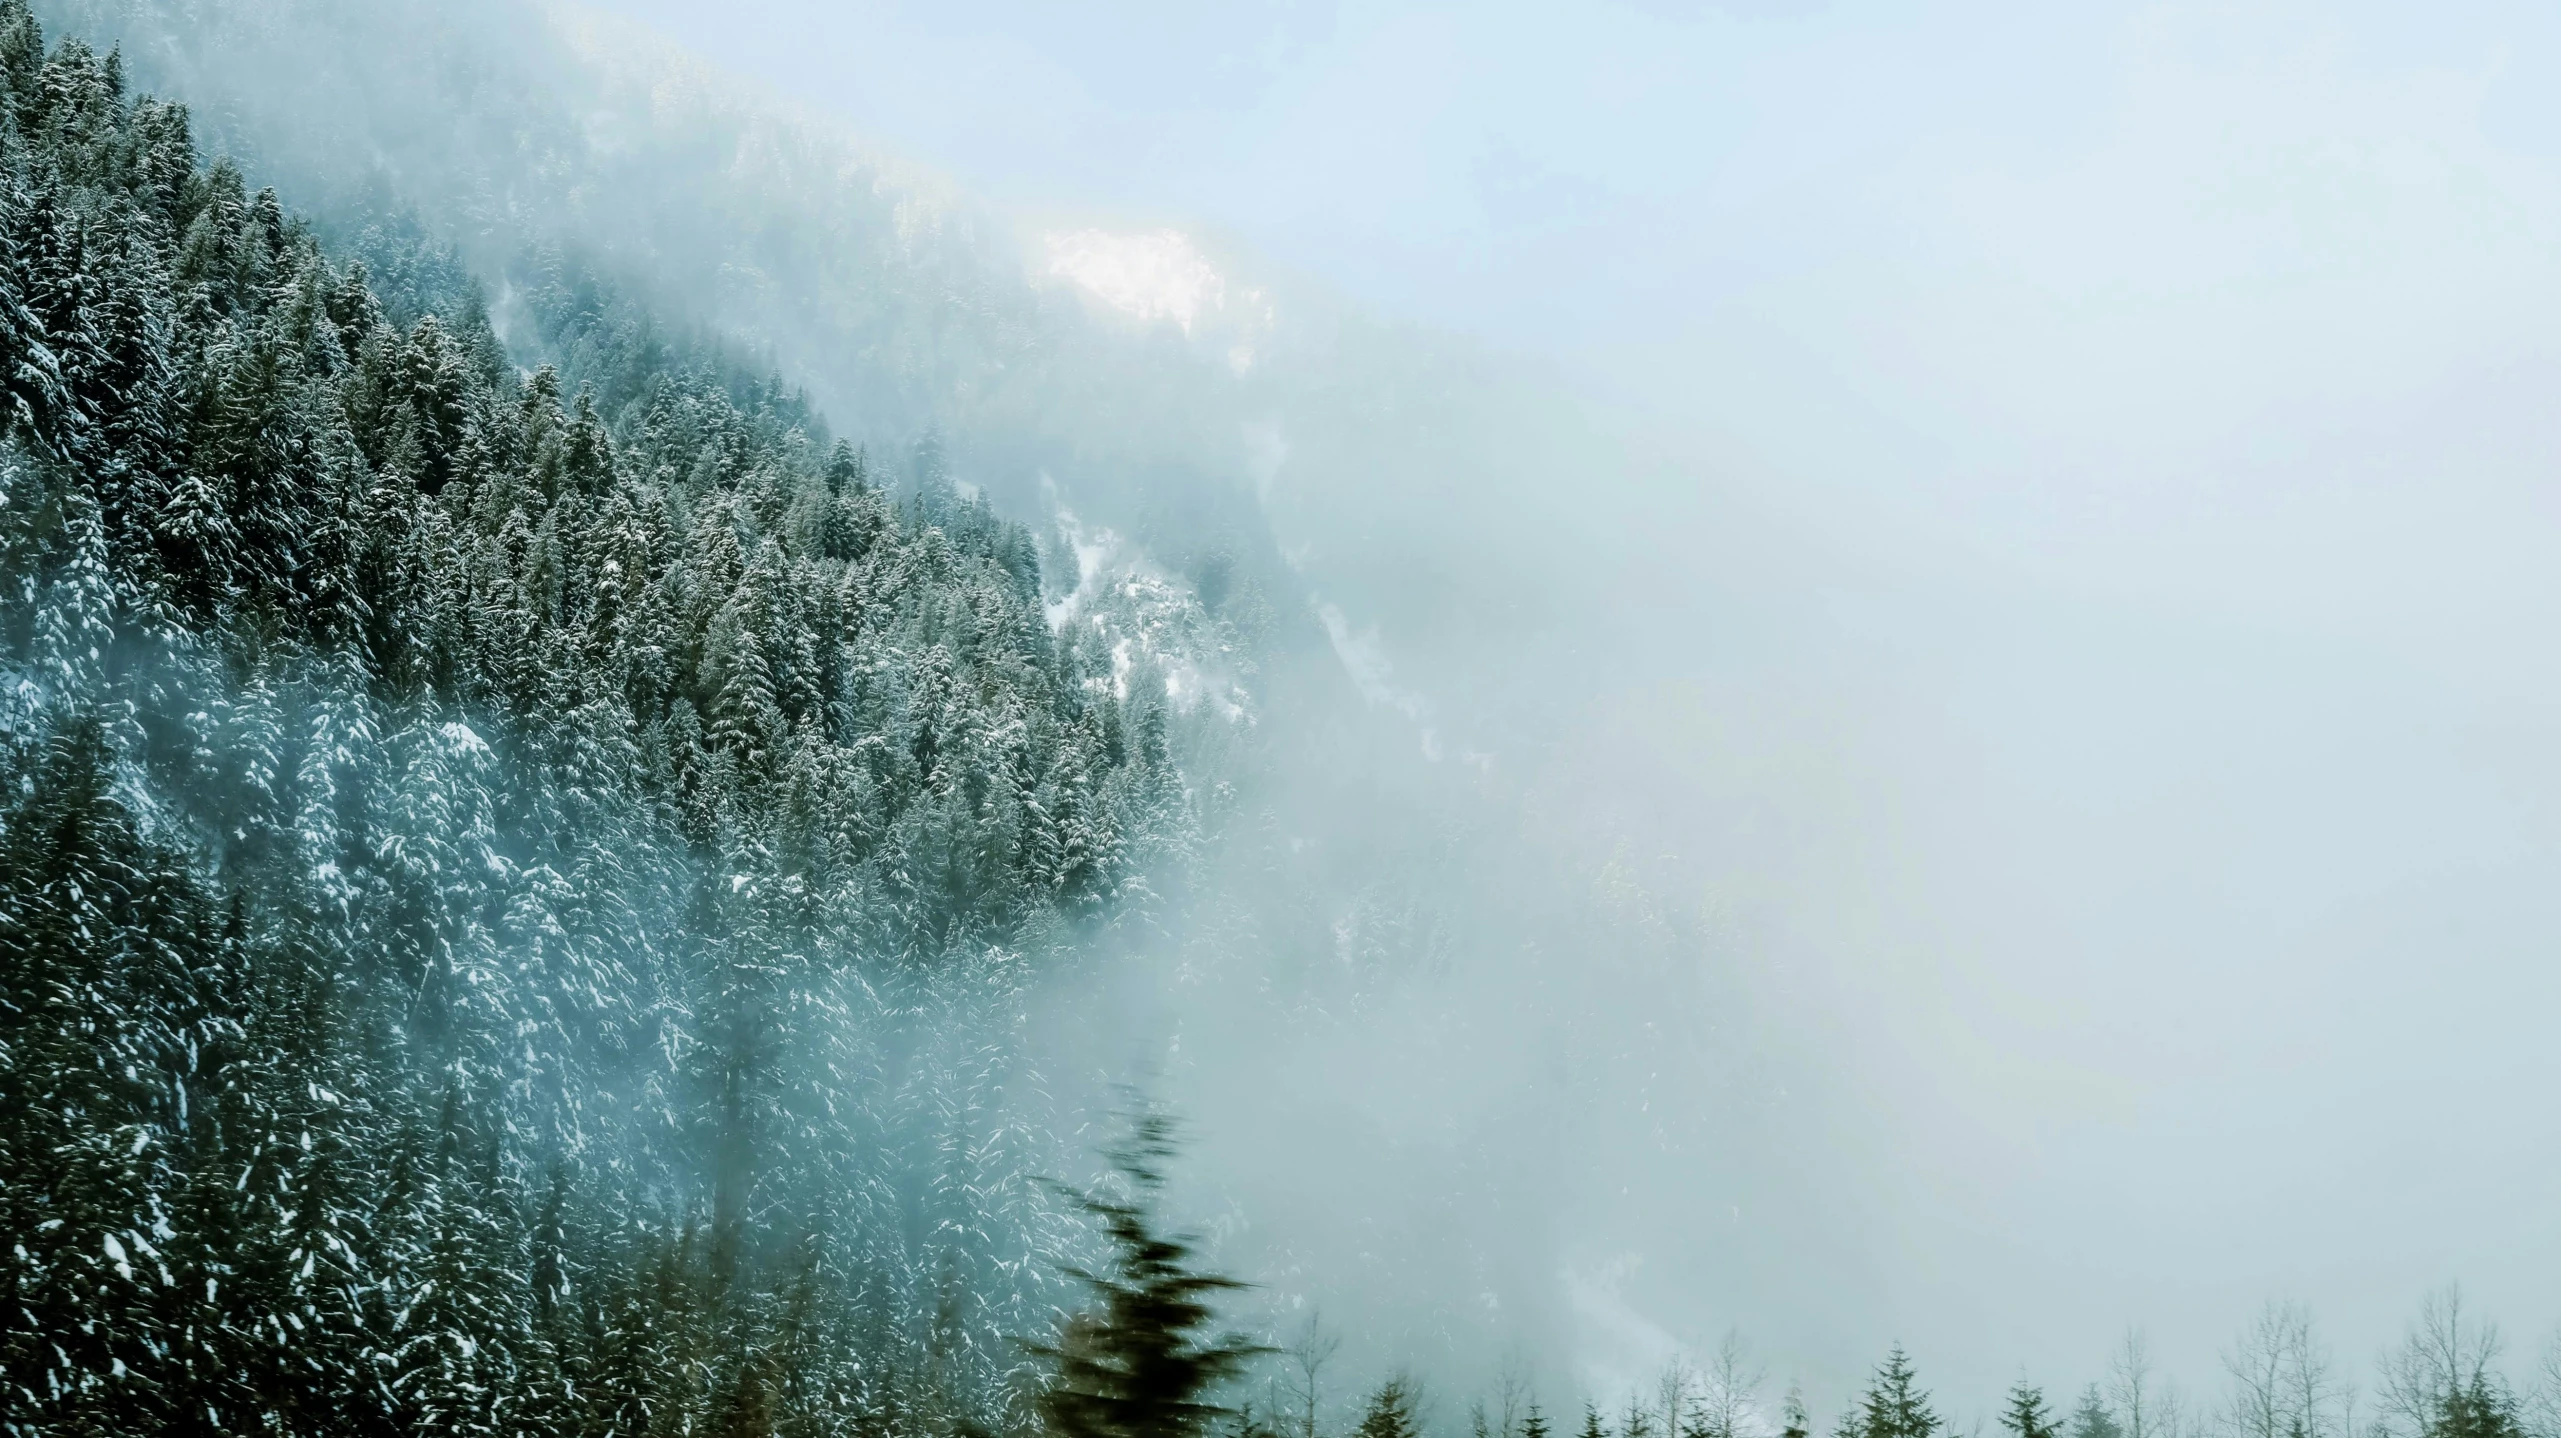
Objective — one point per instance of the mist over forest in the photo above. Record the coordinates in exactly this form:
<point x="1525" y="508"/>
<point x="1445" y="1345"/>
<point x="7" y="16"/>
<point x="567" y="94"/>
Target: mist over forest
<point x="660" y="773"/>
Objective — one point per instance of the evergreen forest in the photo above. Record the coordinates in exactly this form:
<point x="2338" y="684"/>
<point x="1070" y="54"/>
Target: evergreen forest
<point x="483" y="848"/>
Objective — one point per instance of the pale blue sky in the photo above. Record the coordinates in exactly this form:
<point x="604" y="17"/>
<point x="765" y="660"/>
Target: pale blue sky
<point x="1606" y="175"/>
<point x="2045" y="286"/>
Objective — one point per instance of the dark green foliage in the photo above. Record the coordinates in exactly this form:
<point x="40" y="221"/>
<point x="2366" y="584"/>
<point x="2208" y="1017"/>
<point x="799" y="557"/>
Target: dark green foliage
<point x="1245" y="1422"/>
<point x="1136" y="1364"/>
<point x="1392" y="1411"/>
<point x="2478" y="1407"/>
<point x="2024" y="1413"/>
<point x="1895" y="1406"/>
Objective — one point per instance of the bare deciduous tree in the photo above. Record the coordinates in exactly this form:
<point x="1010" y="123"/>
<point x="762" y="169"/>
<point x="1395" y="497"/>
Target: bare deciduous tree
<point x="2541" y="1408"/>
<point x="2444" y="1356"/>
<point x="1512" y="1393"/>
<point x="2283" y="1385"/>
<point x="1673" y="1392"/>
<point x="1308" y="1354"/>
<point x="1729" y="1392"/>
<point x="2146" y="1405"/>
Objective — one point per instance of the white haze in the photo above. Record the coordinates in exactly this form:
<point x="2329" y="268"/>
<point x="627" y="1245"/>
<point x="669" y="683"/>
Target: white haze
<point x="1978" y="612"/>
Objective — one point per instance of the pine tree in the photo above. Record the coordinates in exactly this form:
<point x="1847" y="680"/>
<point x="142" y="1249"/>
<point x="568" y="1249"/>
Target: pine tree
<point x="1391" y="1411"/>
<point x="2477" y="1407"/>
<point x="2091" y="1419"/>
<point x="30" y="373"/>
<point x="1794" y="1421"/>
<point x="1894" y="1406"/>
<point x="1135" y="1366"/>
<point x="2025" y="1415"/>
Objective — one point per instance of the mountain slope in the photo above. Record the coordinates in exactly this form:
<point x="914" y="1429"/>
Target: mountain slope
<point x="518" y="891"/>
<point x="1381" y="978"/>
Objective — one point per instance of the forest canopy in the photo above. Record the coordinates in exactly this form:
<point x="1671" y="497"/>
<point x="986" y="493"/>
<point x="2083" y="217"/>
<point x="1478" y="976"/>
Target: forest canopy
<point x="489" y="856"/>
